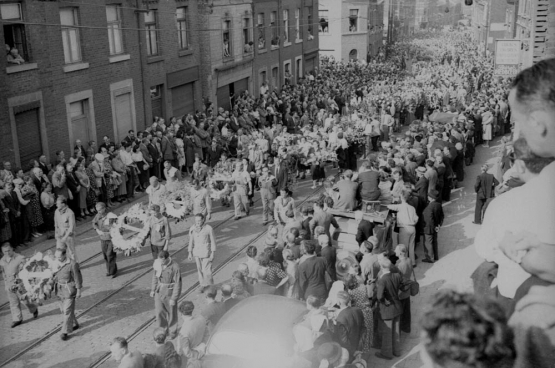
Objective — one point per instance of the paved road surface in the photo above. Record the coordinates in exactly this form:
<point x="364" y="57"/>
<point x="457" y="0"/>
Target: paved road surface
<point x="118" y="307"/>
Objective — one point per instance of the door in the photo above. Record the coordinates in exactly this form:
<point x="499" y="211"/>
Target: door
<point x="28" y="135"/>
<point x="241" y="86"/>
<point x="183" y="99"/>
<point x="79" y="112"/>
<point x="222" y="95"/>
<point x="309" y="65"/>
<point x="124" y="117"/>
<point x="275" y="77"/>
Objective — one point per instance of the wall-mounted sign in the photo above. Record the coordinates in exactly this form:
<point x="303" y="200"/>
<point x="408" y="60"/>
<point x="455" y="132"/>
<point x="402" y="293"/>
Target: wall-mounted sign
<point x="507" y="57"/>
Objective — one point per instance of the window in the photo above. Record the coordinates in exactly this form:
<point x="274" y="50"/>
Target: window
<point x="247" y="39"/>
<point x="275" y="29"/>
<point x="156" y="92"/>
<point x="310" y="35"/>
<point x="182" y="30"/>
<point x="70" y="35"/>
<point x="77" y="109"/>
<point x="14" y="33"/>
<point x="286" y="26"/>
<point x="353" y="20"/>
<point x="115" y="36"/>
<point x="226" y="35"/>
<point x="298" y="25"/>
<point x="353" y="55"/>
<point x="151" y="34"/>
<point x="261" y="31"/>
<point x="324" y="25"/>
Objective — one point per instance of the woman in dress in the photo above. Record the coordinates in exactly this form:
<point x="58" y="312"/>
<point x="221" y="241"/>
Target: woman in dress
<point x="180" y="154"/>
<point x="189" y="150"/>
<point x="33" y="209"/>
<point x="121" y="169"/>
<point x="85" y="185"/>
<point x="48" y="202"/>
<point x="359" y="298"/>
<point x="93" y="192"/>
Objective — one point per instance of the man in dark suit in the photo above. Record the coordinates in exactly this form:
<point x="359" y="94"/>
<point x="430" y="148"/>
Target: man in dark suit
<point x="155" y="169"/>
<point x="368" y="183"/>
<point x="388" y="287"/>
<point x="421" y="186"/>
<point x="329" y="254"/>
<point x="484" y="188"/>
<point x="167" y="146"/>
<point x="312" y="275"/>
<point x="365" y="228"/>
<point x="350" y="324"/>
<point x="227" y="299"/>
<point x="433" y="219"/>
<point x="280" y="173"/>
<point x="347" y="193"/>
<point x="214" y="153"/>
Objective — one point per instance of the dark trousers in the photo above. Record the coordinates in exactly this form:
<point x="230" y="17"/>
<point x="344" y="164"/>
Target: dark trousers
<point x="155" y="250"/>
<point x="16" y="224"/>
<point x="109" y="256"/>
<point x="430" y="246"/>
<point x="478" y="211"/>
<point x="405" y="317"/>
<point x="446" y="193"/>
<point x="389" y="331"/>
<point x="131" y="184"/>
<point x="375" y="143"/>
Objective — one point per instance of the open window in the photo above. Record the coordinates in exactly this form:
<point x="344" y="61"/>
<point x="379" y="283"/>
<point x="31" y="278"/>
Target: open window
<point x="14" y="33"/>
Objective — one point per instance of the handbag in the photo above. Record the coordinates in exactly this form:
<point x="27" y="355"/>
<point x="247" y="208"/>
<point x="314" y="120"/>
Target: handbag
<point x="414" y="286"/>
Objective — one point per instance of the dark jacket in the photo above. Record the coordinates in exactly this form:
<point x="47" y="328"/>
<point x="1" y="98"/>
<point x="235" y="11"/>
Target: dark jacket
<point x="421" y="188"/>
<point x="168" y="148"/>
<point x="261" y="288"/>
<point x="364" y="231"/>
<point x="484" y="186"/>
<point x="350" y="328"/>
<point x="388" y="287"/>
<point x="312" y="279"/>
<point x="214" y="156"/>
<point x="433" y="217"/>
<point x="329" y="254"/>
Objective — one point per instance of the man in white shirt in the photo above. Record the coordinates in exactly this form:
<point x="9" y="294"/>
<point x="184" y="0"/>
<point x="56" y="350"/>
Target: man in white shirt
<point x="242" y="184"/>
<point x="155" y="192"/>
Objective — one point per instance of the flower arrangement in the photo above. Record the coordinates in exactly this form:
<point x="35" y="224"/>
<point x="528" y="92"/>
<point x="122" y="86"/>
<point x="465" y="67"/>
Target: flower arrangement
<point x="178" y="202"/>
<point x="137" y="214"/>
<point x="35" y="279"/>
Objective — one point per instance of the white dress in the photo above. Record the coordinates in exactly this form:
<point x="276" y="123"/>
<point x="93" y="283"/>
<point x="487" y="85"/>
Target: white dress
<point x="180" y="151"/>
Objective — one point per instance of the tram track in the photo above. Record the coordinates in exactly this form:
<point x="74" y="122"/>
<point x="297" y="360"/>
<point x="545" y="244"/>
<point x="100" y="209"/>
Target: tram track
<point x="193" y="287"/>
<point x="149" y="322"/>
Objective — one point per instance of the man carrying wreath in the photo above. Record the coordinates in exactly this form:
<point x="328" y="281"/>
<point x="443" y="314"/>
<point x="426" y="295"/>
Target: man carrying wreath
<point x="68" y="282"/>
<point x="102" y="223"/>
<point x="160" y="232"/>
<point x="10" y="264"/>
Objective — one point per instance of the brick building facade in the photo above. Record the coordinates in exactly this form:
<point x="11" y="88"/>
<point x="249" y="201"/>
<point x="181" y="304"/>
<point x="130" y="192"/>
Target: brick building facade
<point x="286" y="41"/>
<point x="91" y="70"/>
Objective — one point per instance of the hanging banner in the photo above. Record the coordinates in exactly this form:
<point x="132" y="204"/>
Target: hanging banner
<point x="507" y="57"/>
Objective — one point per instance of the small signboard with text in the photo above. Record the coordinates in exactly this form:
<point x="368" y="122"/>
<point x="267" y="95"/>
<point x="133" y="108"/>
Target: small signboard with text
<point x="507" y="57"/>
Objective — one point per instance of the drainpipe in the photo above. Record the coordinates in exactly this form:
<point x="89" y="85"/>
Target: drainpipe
<point x="142" y="63"/>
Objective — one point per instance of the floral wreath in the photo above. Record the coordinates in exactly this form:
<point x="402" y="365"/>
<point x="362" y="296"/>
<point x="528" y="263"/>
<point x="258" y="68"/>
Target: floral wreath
<point x="178" y="203"/>
<point x="35" y="279"/>
<point x="136" y="214"/>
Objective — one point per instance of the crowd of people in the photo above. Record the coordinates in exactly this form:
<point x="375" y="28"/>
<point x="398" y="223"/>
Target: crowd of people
<point x="417" y="130"/>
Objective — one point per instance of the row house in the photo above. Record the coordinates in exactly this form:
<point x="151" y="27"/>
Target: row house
<point x="345" y="29"/>
<point x="88" y="69"/>
<point x="286" y="41"/>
